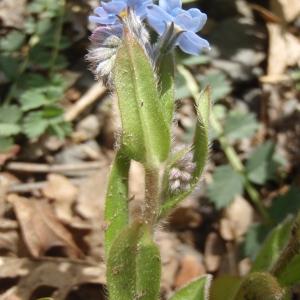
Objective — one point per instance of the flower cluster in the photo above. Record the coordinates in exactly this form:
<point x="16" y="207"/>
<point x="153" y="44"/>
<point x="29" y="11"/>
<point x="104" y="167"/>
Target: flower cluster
<point x="174" y="25"/>
<point x="180" y="176"/>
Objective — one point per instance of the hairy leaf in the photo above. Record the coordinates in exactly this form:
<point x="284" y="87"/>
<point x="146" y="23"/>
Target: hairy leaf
<point x="196" y="290"/>
<point x="116" y="203"/>
<point x="146" y="135"/>
<point x="167" y="86"/>
<point x="133" y="267"/>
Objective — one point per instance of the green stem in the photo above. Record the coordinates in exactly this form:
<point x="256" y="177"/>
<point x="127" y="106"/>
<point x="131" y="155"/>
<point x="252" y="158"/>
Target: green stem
<point x="152" y="199"/>
<point x="58" y="35"/>
<point x="229" y="151"/>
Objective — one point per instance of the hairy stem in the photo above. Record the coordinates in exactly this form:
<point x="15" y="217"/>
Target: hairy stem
<point x="152" y="200"/>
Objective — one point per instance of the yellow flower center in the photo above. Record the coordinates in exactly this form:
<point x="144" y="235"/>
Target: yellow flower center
<point x="123" y="13"/>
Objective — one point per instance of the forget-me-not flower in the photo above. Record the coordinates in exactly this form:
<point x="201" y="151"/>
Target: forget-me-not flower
<point x="188" y="22"/>
<point x="109" y="12"/>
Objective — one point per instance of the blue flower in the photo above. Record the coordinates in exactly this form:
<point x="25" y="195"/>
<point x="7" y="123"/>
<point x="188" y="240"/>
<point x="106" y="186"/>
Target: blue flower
<point x="109" y="12"/>
<point x="188" y="22"/>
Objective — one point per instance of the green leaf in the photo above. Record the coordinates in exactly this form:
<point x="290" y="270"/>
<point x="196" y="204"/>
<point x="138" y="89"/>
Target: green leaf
<point x="261" y="165"/>
<point x="31" y="99"/>
<point x="53" y="112"/>
<point x="226" y="185"/>
<point x="219" y="84"/>
<point x="10" y="114"/>
<point x="240" y="125"/>
<point x="8" y="129"/>
<point x="146" y="135"/>
<point x="196" y="290"/>
<point x="254" y="239"/>
<point x="200" y="147"/>
<point x="9" y="65"/>
<point x="133" y="267"/>
<point x="224" y="287"/>
<point x="291" y="273"/>
<point x="116" y="203"/>
<point x="167" y="86"/>
<point x="35" y="125"/>
<point x="285" y="204"/>
<point x="12" y="41"/>
<point x="272" y="246"/>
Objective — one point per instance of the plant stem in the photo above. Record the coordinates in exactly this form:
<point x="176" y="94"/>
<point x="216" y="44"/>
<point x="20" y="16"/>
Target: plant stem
<point x="58" y="34"/>
<point x="152" y="201"/>
<point x="229" y="151"/>
<point x="292" y="248"/>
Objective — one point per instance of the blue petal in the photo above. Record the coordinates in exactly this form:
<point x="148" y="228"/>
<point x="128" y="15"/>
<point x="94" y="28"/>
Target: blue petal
<point x="158" y="25"/>
<point x="114" y="7"/>
<point x="159" y="14"/>
<point x="199" y="18"/>
<point x="158" y="18"/>
<point x="107" y="20"/>
<point x="100" y="11"/>
<point x="184" y="21"/>
<point x="191" y="43"/>
<point x="169" y="5"/>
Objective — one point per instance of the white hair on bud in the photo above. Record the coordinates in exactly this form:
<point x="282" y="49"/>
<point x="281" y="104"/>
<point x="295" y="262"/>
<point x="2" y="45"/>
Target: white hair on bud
<point x="106" y="40"/>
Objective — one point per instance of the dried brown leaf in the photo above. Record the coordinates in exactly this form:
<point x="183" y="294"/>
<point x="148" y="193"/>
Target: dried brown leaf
<point x="60" y="274"/>
<point x="64" y="192"/>
<point x="41" y="230"/>
<point x="284" y="50"/>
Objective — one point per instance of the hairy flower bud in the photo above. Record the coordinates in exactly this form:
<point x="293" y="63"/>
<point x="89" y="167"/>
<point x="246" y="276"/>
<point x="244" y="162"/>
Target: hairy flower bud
<point x="106" y="39"/>
<point x="180" y="175"/>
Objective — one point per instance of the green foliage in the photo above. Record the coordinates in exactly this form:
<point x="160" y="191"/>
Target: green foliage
<point x="146" y="135"/>
<point x="290" y="275"/>
<point x="285" y="204"/>
<point x="166" y="85"/>
<point x="254" y="239"/>
<point x="12" y="41"/>
<point x="224" y="287"/>
<point x="34" y="98"/>
<point x="219" y="84"/>
<point x="262" y="166"/>
<point x="133" y="266"/>
<point x="239" y="125"/>
<point x="196" y="290"/>
<point x="272" y="246"/>
<point x="116" y="203"/>
<point x="226" y="185"/>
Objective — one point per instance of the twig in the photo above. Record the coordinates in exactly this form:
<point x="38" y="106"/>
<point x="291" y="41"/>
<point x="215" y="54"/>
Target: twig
<point x="45" y="168"/>
<point x="91" y="96"/>
<point x="33" y="186"/>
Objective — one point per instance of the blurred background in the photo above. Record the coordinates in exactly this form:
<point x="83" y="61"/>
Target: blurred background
<point x="58" y="129"/>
